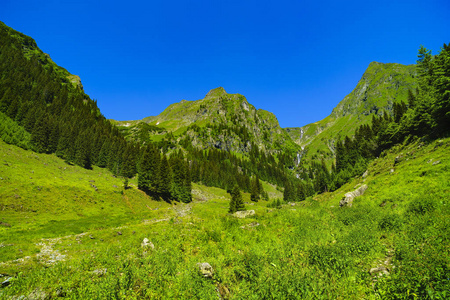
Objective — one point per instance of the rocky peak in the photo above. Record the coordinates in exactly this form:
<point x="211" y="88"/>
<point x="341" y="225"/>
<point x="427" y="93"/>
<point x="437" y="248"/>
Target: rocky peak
<point x="217" y="92"/>
<point x="75" y="81"/>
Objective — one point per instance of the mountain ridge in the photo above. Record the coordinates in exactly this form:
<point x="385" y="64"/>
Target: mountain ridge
<point x="380" y="86"/>
<point x="229" y="112"/>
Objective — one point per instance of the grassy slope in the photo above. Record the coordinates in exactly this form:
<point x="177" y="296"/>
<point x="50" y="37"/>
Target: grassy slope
<point x="312" y="250"/>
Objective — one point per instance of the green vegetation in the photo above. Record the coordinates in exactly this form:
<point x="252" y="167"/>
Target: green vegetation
<point x="93" y="209"/>
<point x="236" y="203"/>
<point x="379" y="88"/>
<point x="311" y="250"/>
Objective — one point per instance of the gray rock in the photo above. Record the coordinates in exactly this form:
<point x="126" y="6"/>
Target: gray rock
<point x="379" y="271"/>
<point x="348" y="198"/>
<point x="436" y="162"/>
<point x="398" y="159"/>
<point x="366" y="173"/>
<point x="99" y="272"/>
<point x="147" y="244"/>
<point x="205" y="269"/>
<point x="244" y="213"/>
<point x="6" y="282"/>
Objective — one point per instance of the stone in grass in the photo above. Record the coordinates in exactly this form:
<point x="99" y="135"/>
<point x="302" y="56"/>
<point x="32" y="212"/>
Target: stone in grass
<point x="350" y="196"/>
<point x="205" y="270"/>
<point x="380" y="271"/>
<point x="6" y="282"/>
<point x="241" y="214"/>
<point x="147" y="244"/>
<point x="99" y="272"/>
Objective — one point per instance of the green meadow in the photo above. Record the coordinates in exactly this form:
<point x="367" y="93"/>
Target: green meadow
<point x="75" y="233"/>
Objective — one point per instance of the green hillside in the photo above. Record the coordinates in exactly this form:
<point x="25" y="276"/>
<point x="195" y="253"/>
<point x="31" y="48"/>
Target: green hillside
<point x="380" y="87"/>
<point x="208" y="200"/>
<point x="60" y="237"/>
<point x="221" y="120"/>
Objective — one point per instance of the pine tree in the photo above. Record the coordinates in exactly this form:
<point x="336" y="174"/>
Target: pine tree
<point x="164" y="179"/>
<point x="236" y="203"/>
<point x="145" y="171"/>
<point x="82" y="152"/>
<point x="40" y="134"/>
<point x="255" y="192"/>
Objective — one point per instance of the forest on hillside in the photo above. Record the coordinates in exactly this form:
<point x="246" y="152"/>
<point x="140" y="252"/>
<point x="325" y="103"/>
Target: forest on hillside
<point x="40" y="109"/>
<point x="426" y="115"/>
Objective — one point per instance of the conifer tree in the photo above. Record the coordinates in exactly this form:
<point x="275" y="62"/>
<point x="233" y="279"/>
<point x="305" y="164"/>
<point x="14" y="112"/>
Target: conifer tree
<point x="145" y="170"/>
<point x="255" y="192"/>
<point x="236" y="203"/>
<point x="40" y="134"/>
<point x="164" y="179"/>
<point x="82" y="152"/>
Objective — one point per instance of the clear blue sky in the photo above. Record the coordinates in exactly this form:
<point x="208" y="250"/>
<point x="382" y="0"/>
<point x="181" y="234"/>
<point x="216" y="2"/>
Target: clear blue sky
<point x="297" y="59"/>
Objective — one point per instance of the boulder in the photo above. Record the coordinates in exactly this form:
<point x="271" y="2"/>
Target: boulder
<point x="398" y="159"/>
<point x="205" y="269"/>
<point x="348" y="198"/>
<point x="6" y="282"/>
<point x="241" y="214"/>
<point x="99" y="272"/>
<point x="379" y="271"/>
<point x="366" y="173"/>
<point x="147" y="244"/>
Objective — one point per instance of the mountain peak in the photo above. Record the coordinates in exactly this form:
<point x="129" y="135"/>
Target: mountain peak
<point x="216" y="92"/>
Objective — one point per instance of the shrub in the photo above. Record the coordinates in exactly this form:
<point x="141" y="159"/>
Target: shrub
<point x="422" y="206"/>
<point x="390" y="222"/>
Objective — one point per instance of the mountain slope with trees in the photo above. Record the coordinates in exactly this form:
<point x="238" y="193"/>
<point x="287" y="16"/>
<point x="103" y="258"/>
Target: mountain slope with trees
<point x="380" y="87"/>
<point x="220" y="120"/>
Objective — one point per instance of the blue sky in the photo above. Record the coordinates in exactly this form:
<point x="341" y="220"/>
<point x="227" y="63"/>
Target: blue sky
<point x="297" y="59"/>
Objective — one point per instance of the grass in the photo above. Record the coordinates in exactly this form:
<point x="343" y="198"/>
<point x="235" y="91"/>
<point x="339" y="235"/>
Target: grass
<point x="312" y="250"/>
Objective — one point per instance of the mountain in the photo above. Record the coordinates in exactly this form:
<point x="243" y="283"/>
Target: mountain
<point x="379" y="88"/>
<point x="220" y="120"/>
<point x="30" y="50"/>
<point x="81" y="219"/>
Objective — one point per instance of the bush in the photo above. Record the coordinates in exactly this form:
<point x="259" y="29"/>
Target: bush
<point x="421" y="207"/>
<point x="275" y="203"/>
<point x="390" y="222"/>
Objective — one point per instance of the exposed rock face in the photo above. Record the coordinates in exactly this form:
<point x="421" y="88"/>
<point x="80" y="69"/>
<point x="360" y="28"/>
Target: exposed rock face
<point x="205" y="269"/>
<point x="244" y="213"/>
<point x="75" y="81"/>
<point x="348" y="198"/>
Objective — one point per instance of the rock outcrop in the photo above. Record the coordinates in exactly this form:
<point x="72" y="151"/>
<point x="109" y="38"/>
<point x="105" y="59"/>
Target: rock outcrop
<point x="350" y="196"/>
<point x="147" y="244"/>
<point x="244" y="213"/>
<point x="205" y="269"/>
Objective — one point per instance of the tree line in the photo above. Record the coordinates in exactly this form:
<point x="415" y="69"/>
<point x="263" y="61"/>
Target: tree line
<point x="426" y="114"/>
<point x="41" y="110"/>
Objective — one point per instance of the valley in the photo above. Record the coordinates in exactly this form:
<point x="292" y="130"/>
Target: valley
<point x="354" y="206"/>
